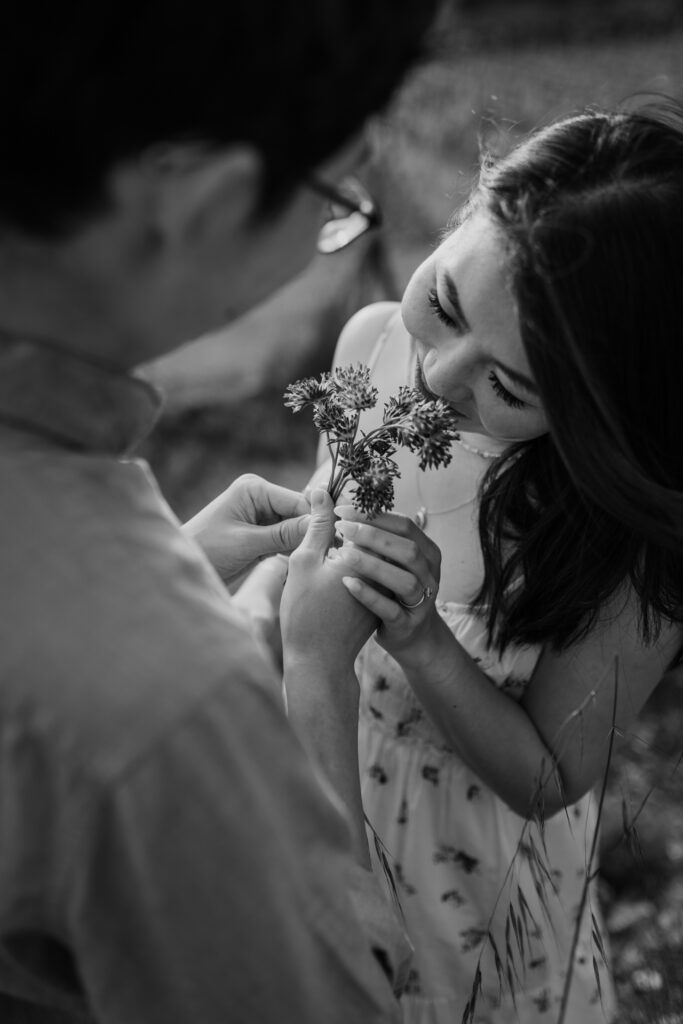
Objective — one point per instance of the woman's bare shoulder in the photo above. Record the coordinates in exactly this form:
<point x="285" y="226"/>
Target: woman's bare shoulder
<point x="360" y="333"/>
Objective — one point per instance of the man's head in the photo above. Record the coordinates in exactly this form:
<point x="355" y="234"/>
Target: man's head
<point x="143" y="128"/>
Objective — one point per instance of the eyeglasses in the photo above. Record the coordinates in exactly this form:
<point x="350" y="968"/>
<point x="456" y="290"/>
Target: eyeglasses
<point x="352" y="212"/>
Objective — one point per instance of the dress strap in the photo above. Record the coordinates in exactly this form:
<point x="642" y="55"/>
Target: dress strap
<point x="382" y="337"/>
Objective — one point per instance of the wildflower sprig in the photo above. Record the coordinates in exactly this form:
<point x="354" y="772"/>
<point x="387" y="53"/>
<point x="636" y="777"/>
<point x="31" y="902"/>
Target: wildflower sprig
<point x="425" y="426"/>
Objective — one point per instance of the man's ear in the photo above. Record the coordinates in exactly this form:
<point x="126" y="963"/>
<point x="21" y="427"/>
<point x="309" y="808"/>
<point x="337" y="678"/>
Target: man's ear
<point x="190" y="189"/>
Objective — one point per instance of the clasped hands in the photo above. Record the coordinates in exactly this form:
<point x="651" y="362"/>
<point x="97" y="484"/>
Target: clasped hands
<point x="388" y="567"/>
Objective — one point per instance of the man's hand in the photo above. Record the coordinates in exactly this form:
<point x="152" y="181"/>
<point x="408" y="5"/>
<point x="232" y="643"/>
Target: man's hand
<point x="249" y="521"/>
<point x="323" y="629"/>
<point x="319" y="618"/>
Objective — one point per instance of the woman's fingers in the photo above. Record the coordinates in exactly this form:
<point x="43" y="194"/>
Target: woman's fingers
<point x="388" y="521"/>
<point x="410" y="549"/>
<point x="382" y="606"/>
<point x="408" y="586"/>
<point x="392" y="523"/>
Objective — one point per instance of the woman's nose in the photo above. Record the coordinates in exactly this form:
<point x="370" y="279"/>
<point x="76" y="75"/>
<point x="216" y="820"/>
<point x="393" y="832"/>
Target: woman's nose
<point x="454" y="359"/>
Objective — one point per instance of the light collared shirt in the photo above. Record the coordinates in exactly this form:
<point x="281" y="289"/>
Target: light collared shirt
<point x="167" y="855"/>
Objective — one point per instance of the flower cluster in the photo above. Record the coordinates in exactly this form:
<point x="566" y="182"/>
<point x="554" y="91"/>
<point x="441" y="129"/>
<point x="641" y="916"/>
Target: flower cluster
<point x="426" y="427"/>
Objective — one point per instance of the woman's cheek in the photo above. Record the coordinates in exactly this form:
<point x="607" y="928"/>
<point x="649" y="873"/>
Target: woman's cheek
<point x="510" y="425"/>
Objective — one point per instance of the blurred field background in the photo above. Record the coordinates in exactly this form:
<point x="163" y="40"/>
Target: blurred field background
<point x="492" y="72"/>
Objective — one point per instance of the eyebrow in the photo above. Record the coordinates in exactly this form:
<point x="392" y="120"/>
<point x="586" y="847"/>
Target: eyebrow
<point x="454" y="299"/>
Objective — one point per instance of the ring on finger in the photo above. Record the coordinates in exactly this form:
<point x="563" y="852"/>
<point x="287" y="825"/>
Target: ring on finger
<point x="426" y="594"/>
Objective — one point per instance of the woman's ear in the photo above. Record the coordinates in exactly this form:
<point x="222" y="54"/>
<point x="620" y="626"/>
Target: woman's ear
<point x="186" y="191"/>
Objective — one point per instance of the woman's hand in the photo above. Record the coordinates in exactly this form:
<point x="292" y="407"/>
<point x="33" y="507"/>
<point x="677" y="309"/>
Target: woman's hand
<point x="249" y="521"/>
<point x="393" y="569"/>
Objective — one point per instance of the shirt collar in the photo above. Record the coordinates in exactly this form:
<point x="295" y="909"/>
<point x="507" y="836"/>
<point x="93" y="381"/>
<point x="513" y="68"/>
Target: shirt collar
<point x="72" y="400"/>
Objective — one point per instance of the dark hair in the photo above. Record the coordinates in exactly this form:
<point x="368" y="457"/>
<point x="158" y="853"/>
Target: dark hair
<point x="86" y="84"/>
<point x="591" y="210"/>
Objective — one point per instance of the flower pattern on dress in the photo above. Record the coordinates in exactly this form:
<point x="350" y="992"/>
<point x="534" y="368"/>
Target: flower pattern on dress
<point x="404" y="726"/>
<point x="376" y="772"/>
<point x="454" y="897"/>
<point x="412" y="764"/>
<point x="514" y="686"/>
<point x="542" y="1001"/>
<point x="471" y="938"/>
<point x="431" y="773"/>
<point x="446" y="854"/>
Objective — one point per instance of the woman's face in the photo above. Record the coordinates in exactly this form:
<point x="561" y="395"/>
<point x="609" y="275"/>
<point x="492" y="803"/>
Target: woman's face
<point x="459" y="309"/>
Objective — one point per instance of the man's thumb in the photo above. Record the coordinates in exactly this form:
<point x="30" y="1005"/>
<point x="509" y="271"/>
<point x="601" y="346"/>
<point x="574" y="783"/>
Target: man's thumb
<point x="320" y="533"/>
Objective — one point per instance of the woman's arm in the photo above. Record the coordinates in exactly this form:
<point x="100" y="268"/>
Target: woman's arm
<point x="550" y="748"/>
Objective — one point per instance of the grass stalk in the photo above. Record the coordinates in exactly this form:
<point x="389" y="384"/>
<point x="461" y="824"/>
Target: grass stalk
<point x="591" y="857"/>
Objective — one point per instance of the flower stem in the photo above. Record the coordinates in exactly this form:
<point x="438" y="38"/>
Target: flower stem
<point x="334" y="450"/>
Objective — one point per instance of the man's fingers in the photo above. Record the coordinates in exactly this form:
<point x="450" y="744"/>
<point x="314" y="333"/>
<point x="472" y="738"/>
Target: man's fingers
<point x="286" y="535"/>
<point x="275" y="502"/>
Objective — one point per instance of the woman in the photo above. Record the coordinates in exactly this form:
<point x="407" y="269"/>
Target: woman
<point x="549" y="319"/>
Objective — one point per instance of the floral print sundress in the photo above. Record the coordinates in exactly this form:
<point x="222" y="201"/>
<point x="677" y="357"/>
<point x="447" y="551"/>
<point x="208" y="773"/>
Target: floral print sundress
<point x="479" y="888"/>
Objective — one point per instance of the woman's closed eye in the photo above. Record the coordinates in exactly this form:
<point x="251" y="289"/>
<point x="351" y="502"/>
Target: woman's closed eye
<point x="440" y="313"/>
<point x="502" y="392"/>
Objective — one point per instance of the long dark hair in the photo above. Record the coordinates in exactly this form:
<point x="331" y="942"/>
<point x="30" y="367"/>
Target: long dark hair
<point x="591" y="210"/>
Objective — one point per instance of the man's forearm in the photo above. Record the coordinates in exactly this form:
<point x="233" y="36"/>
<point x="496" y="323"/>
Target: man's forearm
<point x="323" y="711"/>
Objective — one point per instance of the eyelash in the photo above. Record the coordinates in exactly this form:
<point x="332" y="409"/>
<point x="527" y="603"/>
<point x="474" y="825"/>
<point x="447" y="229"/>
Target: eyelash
<point x="441" y="314"/>
<point x="438" y="310"/>
<point x="502" y="392"/>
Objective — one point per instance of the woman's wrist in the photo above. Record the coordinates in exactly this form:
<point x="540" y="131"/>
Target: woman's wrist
<point x="432" y="648"/>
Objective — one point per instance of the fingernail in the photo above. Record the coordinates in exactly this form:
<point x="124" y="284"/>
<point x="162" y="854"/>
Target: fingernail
<point x="351" y="582"/>
<point x="346" y="528"/>
<point x="344" y="511"/>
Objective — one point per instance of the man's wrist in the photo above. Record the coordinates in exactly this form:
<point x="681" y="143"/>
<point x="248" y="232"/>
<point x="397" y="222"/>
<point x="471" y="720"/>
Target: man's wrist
<point x="308" y="669"/>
